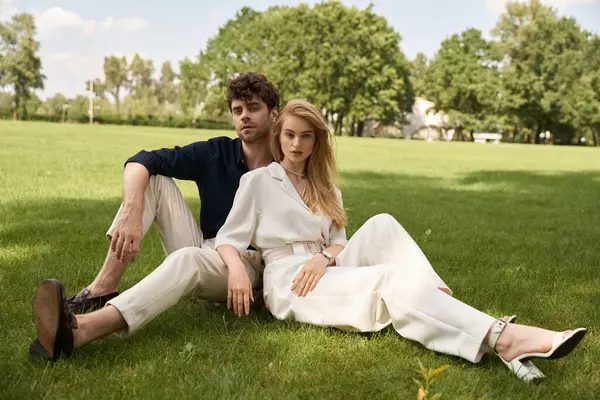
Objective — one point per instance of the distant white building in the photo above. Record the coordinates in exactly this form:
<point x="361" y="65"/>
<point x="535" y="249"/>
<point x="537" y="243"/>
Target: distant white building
<point x="425" y="123"/>
<point x="483" y="137"/>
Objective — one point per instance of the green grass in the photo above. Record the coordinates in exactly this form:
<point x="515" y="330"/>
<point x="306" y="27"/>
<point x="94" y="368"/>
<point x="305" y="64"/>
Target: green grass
<point x="511" y="228"/>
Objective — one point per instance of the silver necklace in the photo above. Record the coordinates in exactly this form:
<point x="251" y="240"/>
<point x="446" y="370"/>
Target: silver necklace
<point x="292" y="172"/>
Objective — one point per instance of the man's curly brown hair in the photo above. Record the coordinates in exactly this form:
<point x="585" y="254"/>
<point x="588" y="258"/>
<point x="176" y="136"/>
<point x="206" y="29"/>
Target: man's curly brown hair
<point x="244" y="86"/>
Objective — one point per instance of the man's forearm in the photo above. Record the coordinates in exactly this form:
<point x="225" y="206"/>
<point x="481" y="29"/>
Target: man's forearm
<point x="135" y="180"/>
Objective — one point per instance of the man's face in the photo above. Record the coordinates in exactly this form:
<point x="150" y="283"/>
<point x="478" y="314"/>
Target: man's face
<point x="252" y="119"/>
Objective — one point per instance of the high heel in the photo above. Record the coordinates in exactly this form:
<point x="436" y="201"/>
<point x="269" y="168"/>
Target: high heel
<point x="562" y="344"/>
<point x="524" y="369"/>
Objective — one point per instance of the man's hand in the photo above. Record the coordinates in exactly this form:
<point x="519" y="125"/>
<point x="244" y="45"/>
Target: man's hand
<point x="126" y="238"/>
<point x="309" y="275"/>
<point x="239" y="293"/>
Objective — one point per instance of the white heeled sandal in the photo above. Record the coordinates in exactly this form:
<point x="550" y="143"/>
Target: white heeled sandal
<point x="562" y="344"/>
<point x="525" y="370"/>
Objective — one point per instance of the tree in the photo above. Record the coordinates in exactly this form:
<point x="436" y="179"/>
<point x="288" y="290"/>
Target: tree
<point x="418" y="69"/>
<point x="141" y="83"/>
<point x="541" y="57"/>
<point x="54" y="106"/>
<point x="167" y="89"/>
<point x="115" y="77"/>
<point x="346" y="61"/>
<point x="6" y="104"/>
<point x="194" y="77"/>
<point x="79" y="106"/>
<point x="20" y="66"/>
<point x="463" y="80"/>
<point x="589" y="106"/>
<point x="98" y="87"/>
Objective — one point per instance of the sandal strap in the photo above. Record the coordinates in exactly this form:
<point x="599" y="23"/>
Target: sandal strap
<point x="497" y="329"/>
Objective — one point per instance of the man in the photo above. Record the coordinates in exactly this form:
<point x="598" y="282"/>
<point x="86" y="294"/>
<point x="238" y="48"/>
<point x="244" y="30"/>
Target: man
<point x="192" y="267"/>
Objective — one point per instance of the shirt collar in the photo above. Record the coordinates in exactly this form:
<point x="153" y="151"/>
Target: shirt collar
<point x="239" y="154"/>
<point x="277" y="171"/>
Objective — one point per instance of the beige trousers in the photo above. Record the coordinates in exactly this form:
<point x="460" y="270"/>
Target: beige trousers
<point x="383" y="278"/>
<point x="192" y="267"/>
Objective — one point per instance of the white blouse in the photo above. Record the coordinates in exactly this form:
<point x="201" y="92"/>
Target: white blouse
<point x="268" y="213"/>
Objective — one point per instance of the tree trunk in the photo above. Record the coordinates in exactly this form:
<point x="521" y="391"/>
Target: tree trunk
<point x="17" y="102"/>
<point x="117" y="101"/>
<point x="352" y="128"/>
<point x="459" y="135"/>
<point x="536" y="133"/>
<point x="24" y="114"/>
<point x="596" y="138"/>
<point x="339" y="124"/>
<point x="360" y="129"/>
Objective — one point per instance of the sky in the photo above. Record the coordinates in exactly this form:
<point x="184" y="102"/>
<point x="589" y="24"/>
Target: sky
<point x="76" y="35"/>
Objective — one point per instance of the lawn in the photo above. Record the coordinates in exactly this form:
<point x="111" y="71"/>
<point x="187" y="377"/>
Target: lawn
<point x="513" y="229"/>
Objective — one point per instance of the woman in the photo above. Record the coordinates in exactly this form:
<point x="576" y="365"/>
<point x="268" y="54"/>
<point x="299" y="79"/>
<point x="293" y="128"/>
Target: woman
<point x="292" y="212"/>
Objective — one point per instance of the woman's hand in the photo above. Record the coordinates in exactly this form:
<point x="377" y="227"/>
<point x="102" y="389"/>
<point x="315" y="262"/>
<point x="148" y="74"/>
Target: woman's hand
<point x="239" y="293"/>
<point x="309" y="275"/>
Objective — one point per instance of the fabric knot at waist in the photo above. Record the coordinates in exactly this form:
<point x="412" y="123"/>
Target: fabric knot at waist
<point x="296" y="248"/>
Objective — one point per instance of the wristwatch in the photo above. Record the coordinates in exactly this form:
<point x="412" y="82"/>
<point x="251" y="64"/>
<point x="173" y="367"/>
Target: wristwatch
<point x="329" y="256"/>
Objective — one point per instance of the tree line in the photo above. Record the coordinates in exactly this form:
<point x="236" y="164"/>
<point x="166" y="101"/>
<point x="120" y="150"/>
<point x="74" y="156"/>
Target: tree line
<point x="539" y="72"/>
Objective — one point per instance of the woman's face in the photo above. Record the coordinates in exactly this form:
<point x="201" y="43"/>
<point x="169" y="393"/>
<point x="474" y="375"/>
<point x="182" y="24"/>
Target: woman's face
<point x="297" y="139"/>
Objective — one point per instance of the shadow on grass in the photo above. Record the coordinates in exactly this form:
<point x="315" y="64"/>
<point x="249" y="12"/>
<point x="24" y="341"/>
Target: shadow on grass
<point x="506" y="242"/>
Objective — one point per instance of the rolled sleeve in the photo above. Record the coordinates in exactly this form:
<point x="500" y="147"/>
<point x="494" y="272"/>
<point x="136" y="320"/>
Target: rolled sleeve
<point x="238" y="230"/>
<point x="187" y="163"/>
<point x="337" y="236"/>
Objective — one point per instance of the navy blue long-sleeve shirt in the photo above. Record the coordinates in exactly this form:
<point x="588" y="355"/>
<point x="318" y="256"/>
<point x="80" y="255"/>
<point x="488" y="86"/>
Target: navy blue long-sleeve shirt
<point x="216" y="166"/>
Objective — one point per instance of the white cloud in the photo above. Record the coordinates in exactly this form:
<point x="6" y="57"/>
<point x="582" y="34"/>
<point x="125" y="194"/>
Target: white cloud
<point x="127" y="24"/>
<point x="7" y="9"/>
<point x="68" y="59"/>
<point x="67" y="72"/>
<point x="57" y="18"/>
<point x="561" y="5"/>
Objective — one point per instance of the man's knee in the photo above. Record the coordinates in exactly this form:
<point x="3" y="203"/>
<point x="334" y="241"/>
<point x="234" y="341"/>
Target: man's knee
<point x="198" y="259"/>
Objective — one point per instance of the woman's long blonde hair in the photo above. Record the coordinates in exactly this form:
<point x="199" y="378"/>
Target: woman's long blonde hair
<point x="321" y="170"/>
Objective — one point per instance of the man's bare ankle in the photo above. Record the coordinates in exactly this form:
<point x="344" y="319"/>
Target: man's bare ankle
<point x="100" y="290"/>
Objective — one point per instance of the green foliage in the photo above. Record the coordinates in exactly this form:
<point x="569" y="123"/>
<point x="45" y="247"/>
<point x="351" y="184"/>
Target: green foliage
<point x="428" y="376"/>
<point x="20" y="66"/>
<point x="544" y="82"/>
<point x="116" y="77"/>
<point x="98" y="87"/>
<point x="140" y="81"/>
<point x="53" y="105"/>
<point x="136" y="120"/>
<point x="418" y="71"/>
<point x="463" y="79"/>
<point x="541" y="72"/>
<point x="6" y="105"/>
<point x="194" y="83"/>
<point x="167" y="90"/>
<point x="345" y="60"/>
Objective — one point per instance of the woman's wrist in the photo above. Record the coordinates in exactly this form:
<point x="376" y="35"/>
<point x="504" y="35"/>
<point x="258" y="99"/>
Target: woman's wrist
<point x="237" y="270"/>
<point x="328" y="261"/>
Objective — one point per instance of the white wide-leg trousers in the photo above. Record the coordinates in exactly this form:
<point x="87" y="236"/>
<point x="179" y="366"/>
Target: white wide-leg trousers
<point x="383" y="278"/>
<point x="192" y="267"/>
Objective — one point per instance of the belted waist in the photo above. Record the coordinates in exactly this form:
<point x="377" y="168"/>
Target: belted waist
<point x="296" y="248"/>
